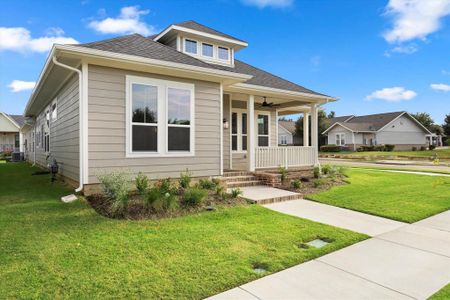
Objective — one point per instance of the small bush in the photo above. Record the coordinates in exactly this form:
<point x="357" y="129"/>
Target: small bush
<point x="432" y="147"/>
<point x="159" y="201"/>
<point x="379" y="148"/>
<point x="330" y="148"/>
<point x="423" y="148"/>
<point x="116" y="187"/>
<point x="319" y="182"/>
<point x="216" y="181"/>
<point x="296" y="184"/>
<point x="317" y="172"/>
<point x="235" y="193"/>
<point x="206" y="184"/>
<point x="389" y="147"/>
<point x="194" y="196"/>
<point x="185" y="179"/>
<point x="326" y="169"/>
<point x="165" y="186"/>
<point x="283" y="172"/>
<point x="141" y="182"/>
<point x="414" y="149"/>
<point x="219" y="190"/>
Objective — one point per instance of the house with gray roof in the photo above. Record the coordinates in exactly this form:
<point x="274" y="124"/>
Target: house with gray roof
<point x="11" y="137"/>
<point x="395" y="128"/>
<point x="287" y="134"/>
<point x="162" y="104"/>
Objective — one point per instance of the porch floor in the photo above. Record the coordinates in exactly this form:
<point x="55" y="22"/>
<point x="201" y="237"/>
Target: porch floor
<point x="265" y="194"/>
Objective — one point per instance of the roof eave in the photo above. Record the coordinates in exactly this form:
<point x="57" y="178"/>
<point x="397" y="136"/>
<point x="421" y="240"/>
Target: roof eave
<point x="11" y="120"/>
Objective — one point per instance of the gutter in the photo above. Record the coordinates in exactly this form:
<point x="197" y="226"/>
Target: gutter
<point x="81" y="131"/>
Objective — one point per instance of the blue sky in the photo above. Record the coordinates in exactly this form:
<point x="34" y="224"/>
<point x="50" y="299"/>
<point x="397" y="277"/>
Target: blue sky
<point x="375" y="56"/>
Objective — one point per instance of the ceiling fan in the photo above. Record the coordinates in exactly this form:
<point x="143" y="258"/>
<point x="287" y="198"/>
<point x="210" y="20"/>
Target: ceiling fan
<point x="268" y="104"/>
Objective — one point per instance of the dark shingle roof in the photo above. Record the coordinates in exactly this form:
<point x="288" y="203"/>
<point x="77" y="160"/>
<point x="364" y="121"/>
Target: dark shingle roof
<point x="340" y="119"/>
<point x="288" y="125"/>
<point x="369" y="122"/>
<point x="138" y="45"/>
<point x="19" y="119"/>
<point x="199" y="27"/>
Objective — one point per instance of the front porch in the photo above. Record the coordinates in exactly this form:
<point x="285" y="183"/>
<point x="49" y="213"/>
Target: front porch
<point x="250" y="131"/>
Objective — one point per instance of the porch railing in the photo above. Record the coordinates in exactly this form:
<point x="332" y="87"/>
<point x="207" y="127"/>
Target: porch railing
<point x="289" y="156"/>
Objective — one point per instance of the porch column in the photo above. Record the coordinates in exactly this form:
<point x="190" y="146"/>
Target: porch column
<point x="251" y="133"/>
<point x="314" y="131"/>
<point x="305" y="129"/>
<point x="20" y="141"/>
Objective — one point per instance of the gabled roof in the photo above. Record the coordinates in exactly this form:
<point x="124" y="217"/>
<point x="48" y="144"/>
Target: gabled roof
<point x="371" y="123"/>
<point x="288" y="125"/>
<point x="19" y="119"/>
<point x="202" y="28"/>
<point x="340" y="119"/>
<point x="137" y="45"/>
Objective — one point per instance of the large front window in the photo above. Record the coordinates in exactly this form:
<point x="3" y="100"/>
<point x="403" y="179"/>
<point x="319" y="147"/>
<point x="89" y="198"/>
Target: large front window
<point x="160" y="117"/>
<point x="263" y="130"/>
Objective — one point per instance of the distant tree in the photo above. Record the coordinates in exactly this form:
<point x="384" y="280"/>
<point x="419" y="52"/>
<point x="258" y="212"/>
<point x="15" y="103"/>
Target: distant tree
<point x="331" y="115"/>
<point x="446" y="125"/>
<point x="424" y="119"/>
<point x="284" y="118"/>
<point x="324" y="123"/>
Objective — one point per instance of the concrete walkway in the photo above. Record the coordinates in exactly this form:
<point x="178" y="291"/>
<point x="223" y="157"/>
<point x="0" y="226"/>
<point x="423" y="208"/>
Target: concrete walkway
<point x="400" y="261"/>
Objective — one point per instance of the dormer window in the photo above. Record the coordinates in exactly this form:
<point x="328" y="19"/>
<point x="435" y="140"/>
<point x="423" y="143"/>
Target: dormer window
<point x="190" y="46"/>
<point x="207" y="50"/>
<point x="224" y="53"/>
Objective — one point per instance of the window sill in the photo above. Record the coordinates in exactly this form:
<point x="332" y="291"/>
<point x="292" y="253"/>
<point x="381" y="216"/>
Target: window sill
<point x="159" y="155"/>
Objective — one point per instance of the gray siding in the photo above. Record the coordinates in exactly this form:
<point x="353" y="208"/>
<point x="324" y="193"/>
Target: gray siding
<point x="282" y="131"/>
<point x="339" y="129"/>
<point x="64" y="132"/>
<point x="107" y="129"/>
<point x="402" y="131"/>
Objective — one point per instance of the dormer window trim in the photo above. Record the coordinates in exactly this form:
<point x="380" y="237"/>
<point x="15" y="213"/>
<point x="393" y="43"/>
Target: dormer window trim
<point x="215" y="59"/>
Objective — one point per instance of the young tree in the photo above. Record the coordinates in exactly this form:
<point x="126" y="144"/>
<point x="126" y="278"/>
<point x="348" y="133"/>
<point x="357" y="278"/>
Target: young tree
<point x="446" y="125"/>
<point x="424" y="119"/>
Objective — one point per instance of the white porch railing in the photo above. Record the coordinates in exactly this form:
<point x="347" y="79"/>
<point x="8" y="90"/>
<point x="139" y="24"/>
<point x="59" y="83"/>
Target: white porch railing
<point x="290" y="156"/>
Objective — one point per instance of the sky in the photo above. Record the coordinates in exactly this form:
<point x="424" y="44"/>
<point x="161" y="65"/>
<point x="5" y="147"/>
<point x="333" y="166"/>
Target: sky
<point x="374" y="55"/>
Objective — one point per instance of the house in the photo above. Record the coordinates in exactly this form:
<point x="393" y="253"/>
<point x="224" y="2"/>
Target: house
<point x="161" y="104"/>
<point x="11" y="137"/>
<point x="395" y="128"/>
<point x="287" y="134"/>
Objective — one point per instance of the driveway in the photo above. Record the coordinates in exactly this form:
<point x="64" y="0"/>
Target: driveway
<point x="400" y="261"/>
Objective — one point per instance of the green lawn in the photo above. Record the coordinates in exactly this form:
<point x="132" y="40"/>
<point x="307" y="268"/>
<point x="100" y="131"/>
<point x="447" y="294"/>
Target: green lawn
<point x="398" y="196"/>
<point x="442" y="294"/>
<point x="442" y="154"/>
<point x="55" y="250"/>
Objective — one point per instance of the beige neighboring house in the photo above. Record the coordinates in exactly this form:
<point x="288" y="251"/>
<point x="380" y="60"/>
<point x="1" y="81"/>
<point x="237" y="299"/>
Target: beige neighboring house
<point x="179" y="99"/>
<point x="287" y="134"/>
<point x="395" y="128"/>
<point x="11" y="137"/>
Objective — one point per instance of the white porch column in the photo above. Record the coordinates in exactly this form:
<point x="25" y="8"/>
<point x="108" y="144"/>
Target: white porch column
<point x="314" y="131"/>
<point x="305" y="129"/>
<point x="20" y="141"/>
<point x="251" y="133"/>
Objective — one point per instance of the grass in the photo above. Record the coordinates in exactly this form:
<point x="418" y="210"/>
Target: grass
<point x="442" y="294"/>
<point x="408" y="169"/>
<point x="442" y="154"/>
<point x="54" y="250"/>
<point x="403" y="197"/>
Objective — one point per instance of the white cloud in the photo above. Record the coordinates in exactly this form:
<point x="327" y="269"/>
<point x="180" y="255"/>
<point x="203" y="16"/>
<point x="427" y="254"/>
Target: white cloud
<point x="393" y="94"/>
<point x="129" y="21"/>
<point x="440" y="87"/>
<point x="269" y="3"/>
<point x="415" y="19"/>
<point x="407" y="49"/>
<point x="19" y="85"/>
<point x="19" y="39"/>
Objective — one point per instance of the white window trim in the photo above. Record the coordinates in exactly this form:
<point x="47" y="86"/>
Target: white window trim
<point x="162" y="115"/>
<point x="283" y="137"/>
<point x="267" y="113"/>
<point x="55" y="102"/>
<point x="340" y="136"/>
<point x="215" y="58"/>
<point x="239" y="134"/>
<point x="201" y="48"/>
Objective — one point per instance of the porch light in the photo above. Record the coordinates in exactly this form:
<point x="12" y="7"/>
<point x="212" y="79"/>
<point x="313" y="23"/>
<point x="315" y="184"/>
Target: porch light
<point x="225" y="124"/>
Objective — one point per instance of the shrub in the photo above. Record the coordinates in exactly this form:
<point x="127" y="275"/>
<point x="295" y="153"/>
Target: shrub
<point x="283" y="172"/>
<point x="194" y="196"/>
<point x="159" y="200"/>
<point x="116" y="188"/>
<point x="219" y="189"/>
<point x="326" y="169"/>
<point x="414" y="149"/>
<point x="389" y="147"/>
<point x="296" y="184"/>
<point x="235" y="193"/>
<point x="206" y="184"/>
<point x="165" y="186"/>
<point x="216" y="181"/>
<point x="379" y="148"/>
<point x="317" y="172"/>
<point x="432" y="147"/>
<point x="185" y="179"/>
<point x="330" y="148"/>
<point x="423" y="148"/>
<point x="141" y="183"/>
<point x="319" y="182"/>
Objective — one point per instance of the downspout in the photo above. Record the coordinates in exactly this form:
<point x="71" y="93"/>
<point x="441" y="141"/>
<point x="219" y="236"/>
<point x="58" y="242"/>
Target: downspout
<point x="81" y="132"/>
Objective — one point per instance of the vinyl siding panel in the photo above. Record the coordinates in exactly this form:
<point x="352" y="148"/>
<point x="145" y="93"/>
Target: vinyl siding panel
<point x="339" y="129"/>
<point x="402" y="131"/>
<point x="107" y="129"/>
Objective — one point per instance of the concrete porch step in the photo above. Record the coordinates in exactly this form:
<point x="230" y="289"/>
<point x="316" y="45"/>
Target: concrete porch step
<point x="239" y="178"/>
<point x="235" y="184"/>
<point x="236" y="173"/>
<point x="261" y="194"/>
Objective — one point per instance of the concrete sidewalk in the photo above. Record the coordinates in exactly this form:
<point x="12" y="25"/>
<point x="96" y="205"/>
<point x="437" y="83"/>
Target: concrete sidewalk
<point x="401" y="261"/>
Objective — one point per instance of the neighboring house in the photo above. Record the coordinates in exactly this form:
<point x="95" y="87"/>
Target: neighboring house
<point x="11" y="138"/>
<point x="287" y="134"/>
<point x="160" y="105"/>
<point x="396" y="128"/>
